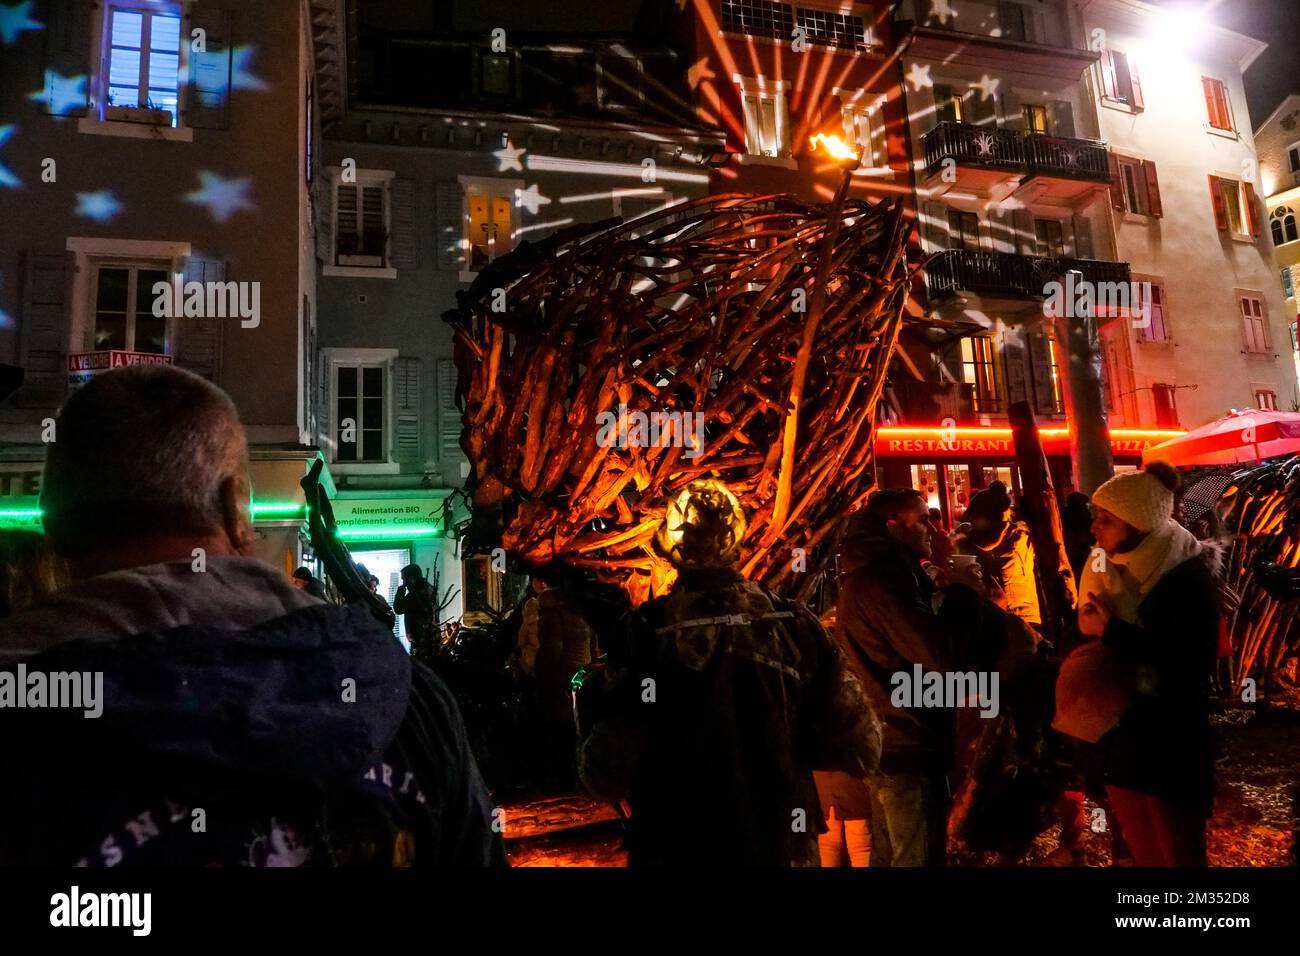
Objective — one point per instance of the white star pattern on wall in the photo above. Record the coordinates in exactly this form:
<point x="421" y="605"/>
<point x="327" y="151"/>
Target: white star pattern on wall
<point x="942" y="11"/>
<point x="508" y="158"/>
<point x="66" y="93"/>
<point x="15" y="19"/>
<point x="241" y="78"/>
<point x="919" y="76"/>
<point x="100" y="206"/>
<point x="988" y="86"/>
<point x="7" y="178"/>
<point x="223" y="197"/>
<point x="530" y="199"/>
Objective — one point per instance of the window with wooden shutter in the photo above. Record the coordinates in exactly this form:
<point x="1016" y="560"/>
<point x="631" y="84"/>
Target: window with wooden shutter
<point x="1219" y="204"/>
<point x="1119" y="79"/>
<point x="1216" y="103"/>
<point x="449" y="198"/>
<point x="67" y="57"/>
<point x="1254" y="324"/>
<point x="43" y="333"/>
<point x="1252" y="208"/>
<point x="1136" y="99"/>
<point x="404" y="249"/>
<point x="1116" y="183"/>
<point x="208" y="97"/>
<point x="1109" y="86"/>
<point x="1154" y="206"/>
<point x="1166" y="405"/>
<point x="198" y="345"/>
<point x="1156" y="327"/>
<point x="361" y="219"/>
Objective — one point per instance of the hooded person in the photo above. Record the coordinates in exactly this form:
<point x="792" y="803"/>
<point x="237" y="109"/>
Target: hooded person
<point x="1142" y="689"/>
<point x="728" y="698"/>
<point x="1003" y="550"/>
<point x="238" y="720"/>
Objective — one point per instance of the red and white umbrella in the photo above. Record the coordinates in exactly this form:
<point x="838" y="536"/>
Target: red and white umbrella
<point x="1243" y="436"/>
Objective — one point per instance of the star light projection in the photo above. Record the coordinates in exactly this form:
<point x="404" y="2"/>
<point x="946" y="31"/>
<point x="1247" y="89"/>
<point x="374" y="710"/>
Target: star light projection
<point x="919" y="77"/>
<point x="223" y="197"/>
<point x="7" y="179"/>
<point x="988" y="87"/>
<point x="65" y="93"/>
<point x="5" y="321"/>
<point x="100" y="206"/>
<point x="241" y="75"/>
<point x="530" y="199"/>
<point x="508" y="159"/>
<point x="15" y="19"/>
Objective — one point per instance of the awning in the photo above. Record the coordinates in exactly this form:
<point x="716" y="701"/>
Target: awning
<point x="1243" y="436"/>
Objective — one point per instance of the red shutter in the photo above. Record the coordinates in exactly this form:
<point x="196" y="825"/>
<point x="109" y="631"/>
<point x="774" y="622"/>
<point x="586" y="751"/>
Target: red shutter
<point x="1252" y="209"/>
<point x="1138" y="103"/>
<point x="1109" y="87"/>
<point x="1220" y="204"/>
<point x="1116" y="184"/>
<point x="1153" y="189"/>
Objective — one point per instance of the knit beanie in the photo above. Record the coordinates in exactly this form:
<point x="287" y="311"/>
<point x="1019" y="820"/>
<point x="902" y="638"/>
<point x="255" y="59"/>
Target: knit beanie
<point x="1137" y="498"/>
<point x="992" y="503"/>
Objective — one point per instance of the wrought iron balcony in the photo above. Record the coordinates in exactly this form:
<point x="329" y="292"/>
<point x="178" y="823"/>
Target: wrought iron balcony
<point x="1028" y="154"/>
<point x="1011" y="275"/>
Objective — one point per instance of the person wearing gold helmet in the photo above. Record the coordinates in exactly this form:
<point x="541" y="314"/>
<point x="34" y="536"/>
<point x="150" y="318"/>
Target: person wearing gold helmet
<point x="731" y="697"/>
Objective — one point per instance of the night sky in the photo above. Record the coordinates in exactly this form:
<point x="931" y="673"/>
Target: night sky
<point x="1277" y="23"/>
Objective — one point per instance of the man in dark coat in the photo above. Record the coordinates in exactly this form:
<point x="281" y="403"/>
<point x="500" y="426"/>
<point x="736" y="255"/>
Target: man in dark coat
<point x="417" y="601"/>
<point x="730" y="698"/>
<point x="888" y="623"/>
<point x="240" y="720"/>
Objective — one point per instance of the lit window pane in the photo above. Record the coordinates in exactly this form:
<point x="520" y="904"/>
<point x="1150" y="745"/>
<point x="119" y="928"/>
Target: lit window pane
<point x="124" y="68"/>
<point x="163" y="68"/>
<point x="127" y="29"/>
<point x="165" y="34"/>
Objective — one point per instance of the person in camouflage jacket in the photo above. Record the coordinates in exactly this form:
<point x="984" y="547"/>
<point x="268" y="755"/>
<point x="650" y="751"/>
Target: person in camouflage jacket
<point x="723" y="700"/>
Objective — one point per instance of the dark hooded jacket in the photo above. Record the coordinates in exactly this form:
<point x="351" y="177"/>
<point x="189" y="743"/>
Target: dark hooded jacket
<point x="279" y="731"/>
<point x="749" y="695"/>
<point x="887" y="622"/>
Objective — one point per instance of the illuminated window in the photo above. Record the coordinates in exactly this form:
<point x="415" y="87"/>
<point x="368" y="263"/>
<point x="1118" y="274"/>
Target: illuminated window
<point x="1119" y="79"/>
<point x="123" y="308"/>
<point x="963" y="230"/>
<point x="767" y="123"/>
<point x="1035" y="117"/>
<point x="1133" y="181"/>
<point x="1050" y="236"/>
<point x="1254" y="325"/>
<point x="1288" y="284"/>
<point x="142" y="55"/>
<point x="1216" y="103"/>
<point x="1232" y="203"/>
<point x="1293" y="157"/>
<point x="489" y="224"/>
<point x="979" y="369"/>
<point x="864" y="126"/>
<point x="948" y="106"/>
<point x="359" y="415"/>
<point x="360" y="225"/>
<point x="777" y="21"/>
<point x="1283" y="225"/>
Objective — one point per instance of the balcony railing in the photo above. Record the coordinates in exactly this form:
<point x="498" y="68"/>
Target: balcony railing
<point x="1033" y="154"/>
<point x="974" y="146"/>
<point x="1067" y="158"/>
<point x="1010" y="274"/>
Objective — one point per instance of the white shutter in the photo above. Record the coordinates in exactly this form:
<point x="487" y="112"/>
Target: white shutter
<point x="451" y="225"/>
<point x="346" y="216"/>
<point x="450" y="454"/>
<point x="407" y="395"/>
<point x="403" y="245"/>
<point x="198" y="341"/>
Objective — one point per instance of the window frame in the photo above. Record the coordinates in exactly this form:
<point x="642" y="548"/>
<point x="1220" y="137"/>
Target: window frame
<point x="869" y="106"/>
<point x="1148" y="335"/>
<point x="330" y="360"/>
<point x="336" y="417"/>
<point x="1259" y="391"/>
<point x="983" y="357"/>
<point x="957" y="239"/>
<point x="761" y="90"/>
<point x="1223" y="100"/>
<point x="493" y="187"/>
<point x="1277" y="226"/>
<point x="134" y="265"/>
<point x="96" y="121"/>
<point x="365" y="178"/>
<point x="1120" y="89"/>
<point x="1138" y="195"/>
<point x="1246" y="295"/>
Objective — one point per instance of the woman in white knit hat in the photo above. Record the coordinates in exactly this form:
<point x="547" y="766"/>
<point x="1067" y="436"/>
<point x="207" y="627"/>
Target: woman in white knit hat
<point x="1149" y="594"/>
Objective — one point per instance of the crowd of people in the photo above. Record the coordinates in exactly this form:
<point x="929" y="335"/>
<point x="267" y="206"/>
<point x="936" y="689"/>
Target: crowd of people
<point x="728" y="723"/>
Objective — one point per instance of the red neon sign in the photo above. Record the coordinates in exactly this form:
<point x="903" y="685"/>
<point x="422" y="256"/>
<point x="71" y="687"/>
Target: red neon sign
<point x="937" y="441"/>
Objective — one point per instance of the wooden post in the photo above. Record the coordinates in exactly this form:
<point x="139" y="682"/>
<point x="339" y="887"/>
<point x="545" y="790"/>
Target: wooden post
<point x="1040" y="513"/>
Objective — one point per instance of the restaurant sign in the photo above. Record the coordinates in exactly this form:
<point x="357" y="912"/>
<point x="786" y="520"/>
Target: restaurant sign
<point x="975" y="442"/>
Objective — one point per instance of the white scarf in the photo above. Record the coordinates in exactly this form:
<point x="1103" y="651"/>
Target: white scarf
<point x="1126" y="579"/>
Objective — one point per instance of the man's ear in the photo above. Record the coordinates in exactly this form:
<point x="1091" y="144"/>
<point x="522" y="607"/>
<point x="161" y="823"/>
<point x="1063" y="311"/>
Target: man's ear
<point x="236" y="513"/>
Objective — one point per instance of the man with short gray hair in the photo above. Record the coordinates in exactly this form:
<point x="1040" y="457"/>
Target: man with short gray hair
<point x="296" y="732"/>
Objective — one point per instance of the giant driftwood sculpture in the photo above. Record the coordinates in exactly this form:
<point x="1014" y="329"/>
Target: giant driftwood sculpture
<point x="700" y="310"/>
<point x="1263" y="509"/>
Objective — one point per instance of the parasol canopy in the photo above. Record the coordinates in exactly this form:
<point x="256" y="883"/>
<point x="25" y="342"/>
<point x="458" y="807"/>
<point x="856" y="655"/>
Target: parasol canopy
<point x="1243" y="436"/>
